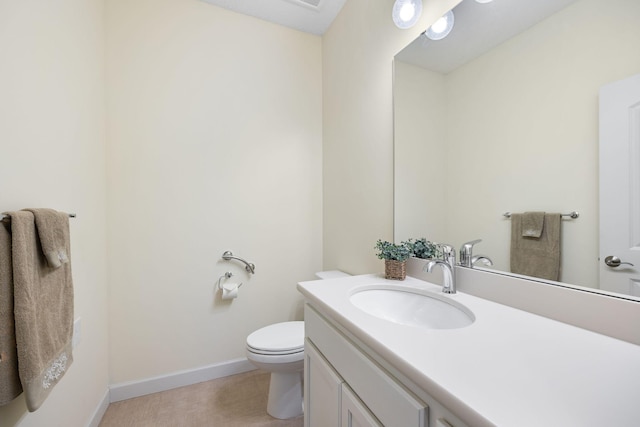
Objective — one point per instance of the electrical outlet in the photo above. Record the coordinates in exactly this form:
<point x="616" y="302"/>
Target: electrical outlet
<point x="77" y="332"/>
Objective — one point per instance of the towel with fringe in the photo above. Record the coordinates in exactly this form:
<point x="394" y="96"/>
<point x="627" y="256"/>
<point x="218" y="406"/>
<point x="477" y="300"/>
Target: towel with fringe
<point x="43" y="305"/>
<point x="10" y="386"/>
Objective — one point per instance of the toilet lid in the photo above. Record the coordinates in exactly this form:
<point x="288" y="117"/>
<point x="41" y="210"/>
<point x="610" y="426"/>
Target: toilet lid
<point x="280" y="337"/>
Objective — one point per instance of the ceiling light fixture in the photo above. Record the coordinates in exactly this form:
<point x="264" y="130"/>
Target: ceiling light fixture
<point x="484" y="1"/>
<point x="406" y="13"/>
<point x="441" y="28"/>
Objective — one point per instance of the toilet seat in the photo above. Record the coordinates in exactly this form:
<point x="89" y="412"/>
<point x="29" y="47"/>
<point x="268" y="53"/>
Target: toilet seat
<point x="278" y="339"/>
<point x="274" y="353"/>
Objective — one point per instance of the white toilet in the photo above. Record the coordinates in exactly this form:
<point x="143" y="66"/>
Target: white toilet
<point x="279" y="349"/>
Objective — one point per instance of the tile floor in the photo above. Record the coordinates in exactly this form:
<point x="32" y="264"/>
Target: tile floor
<point x="235" y="401"/>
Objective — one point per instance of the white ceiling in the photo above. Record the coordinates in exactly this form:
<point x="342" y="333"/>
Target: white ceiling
<point x="478" y="28"/>
<point x="310" y="16"/>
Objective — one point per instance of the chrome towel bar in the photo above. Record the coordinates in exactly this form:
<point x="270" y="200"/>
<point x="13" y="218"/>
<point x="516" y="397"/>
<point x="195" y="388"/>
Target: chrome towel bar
<point x="4" y="217"/>
<point x="573" y="215"/>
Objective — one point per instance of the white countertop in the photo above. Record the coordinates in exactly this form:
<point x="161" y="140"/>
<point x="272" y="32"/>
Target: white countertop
<point x="509" y="368"/>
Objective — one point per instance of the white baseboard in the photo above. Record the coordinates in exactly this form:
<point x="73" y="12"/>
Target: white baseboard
<point x="100" y="410"/>
<point x="128" y="390"/>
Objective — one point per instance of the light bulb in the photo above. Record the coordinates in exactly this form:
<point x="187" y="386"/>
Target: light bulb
<point x="406" y="13"/>
<point x="441" y="28"/>
<point x="440" y="25"/>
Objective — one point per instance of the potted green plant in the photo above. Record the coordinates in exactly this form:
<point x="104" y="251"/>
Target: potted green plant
<point x="423" y="248"/>
<point x="395" y="257"/>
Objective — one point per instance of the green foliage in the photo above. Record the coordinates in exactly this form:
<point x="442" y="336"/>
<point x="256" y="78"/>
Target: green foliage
<point x="419" y="248"/>
<point x="423" y="248"/>
<point x="393" y="252"/>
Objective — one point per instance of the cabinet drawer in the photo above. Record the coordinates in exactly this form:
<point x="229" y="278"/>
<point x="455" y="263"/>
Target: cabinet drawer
<point x="387" y="400"/>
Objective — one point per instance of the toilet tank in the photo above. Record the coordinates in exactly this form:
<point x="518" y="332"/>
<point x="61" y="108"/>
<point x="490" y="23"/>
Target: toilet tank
<point x="331" y="274"/>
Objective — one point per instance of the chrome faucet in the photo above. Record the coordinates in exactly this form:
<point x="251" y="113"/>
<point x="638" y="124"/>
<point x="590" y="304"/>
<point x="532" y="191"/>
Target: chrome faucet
<point x="448" y="264"/>
<point x="467" y="259"/>
<point x="466" y="253"/>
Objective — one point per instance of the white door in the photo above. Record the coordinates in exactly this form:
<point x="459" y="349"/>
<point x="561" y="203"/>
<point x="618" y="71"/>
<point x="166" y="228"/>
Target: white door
<point x="620" y="186"/>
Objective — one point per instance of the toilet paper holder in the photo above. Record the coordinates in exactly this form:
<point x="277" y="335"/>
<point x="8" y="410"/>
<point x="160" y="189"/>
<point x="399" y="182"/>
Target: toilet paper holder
<point x="225" y="276"/>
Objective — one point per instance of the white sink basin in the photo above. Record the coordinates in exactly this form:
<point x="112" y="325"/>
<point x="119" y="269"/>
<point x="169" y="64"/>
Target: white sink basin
<point x="405" y="307"/>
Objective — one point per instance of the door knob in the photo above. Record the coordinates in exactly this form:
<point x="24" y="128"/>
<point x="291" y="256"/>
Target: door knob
<point x="614" y="261"/>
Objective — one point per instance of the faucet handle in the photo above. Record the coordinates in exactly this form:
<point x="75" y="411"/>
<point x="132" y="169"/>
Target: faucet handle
<point x="447" y="250"/>
<point x="466" y="252"/>
<point x="470" y="244"/>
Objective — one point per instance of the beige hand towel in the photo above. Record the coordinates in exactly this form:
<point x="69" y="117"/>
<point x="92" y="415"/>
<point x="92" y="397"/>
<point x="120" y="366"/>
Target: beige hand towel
<point x="43" y="310"/>
<point x="537" y="257"/>
<point x="532" y="224"/>
<point x="10" y="386"/>
<point x="51" y="226"/>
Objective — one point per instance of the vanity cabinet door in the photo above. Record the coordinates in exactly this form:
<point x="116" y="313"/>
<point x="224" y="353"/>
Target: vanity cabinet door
<point x="322" y="390"/>
<point x="354" y="412"/>
<point x="387" y="399"/>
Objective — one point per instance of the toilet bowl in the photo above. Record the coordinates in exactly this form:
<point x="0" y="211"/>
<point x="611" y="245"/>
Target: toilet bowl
<point x="279" y="349"/>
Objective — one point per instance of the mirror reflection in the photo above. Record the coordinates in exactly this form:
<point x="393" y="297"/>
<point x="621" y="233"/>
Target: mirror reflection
<point x="501" y="116"/>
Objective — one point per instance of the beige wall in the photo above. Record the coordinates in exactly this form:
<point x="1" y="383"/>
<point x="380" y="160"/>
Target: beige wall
<point x="214" y="143"/>
<point x="420" y="171"/>
<point x="530" y="134"/>
<point x="52" y="140"/>
<point x="215" y="138"/>
<point x="357" y="175"/>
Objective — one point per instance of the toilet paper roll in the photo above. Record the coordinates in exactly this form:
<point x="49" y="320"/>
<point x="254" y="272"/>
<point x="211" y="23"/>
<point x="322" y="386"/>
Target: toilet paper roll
<point x="230" y="290"/>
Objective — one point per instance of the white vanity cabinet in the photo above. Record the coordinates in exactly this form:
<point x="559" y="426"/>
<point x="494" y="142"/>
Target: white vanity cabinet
<point x="346" y="387"/>
<point x="328" y="399"/>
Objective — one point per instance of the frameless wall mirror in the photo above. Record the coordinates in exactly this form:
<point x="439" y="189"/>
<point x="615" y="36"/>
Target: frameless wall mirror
<point x="502" y="115"/>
